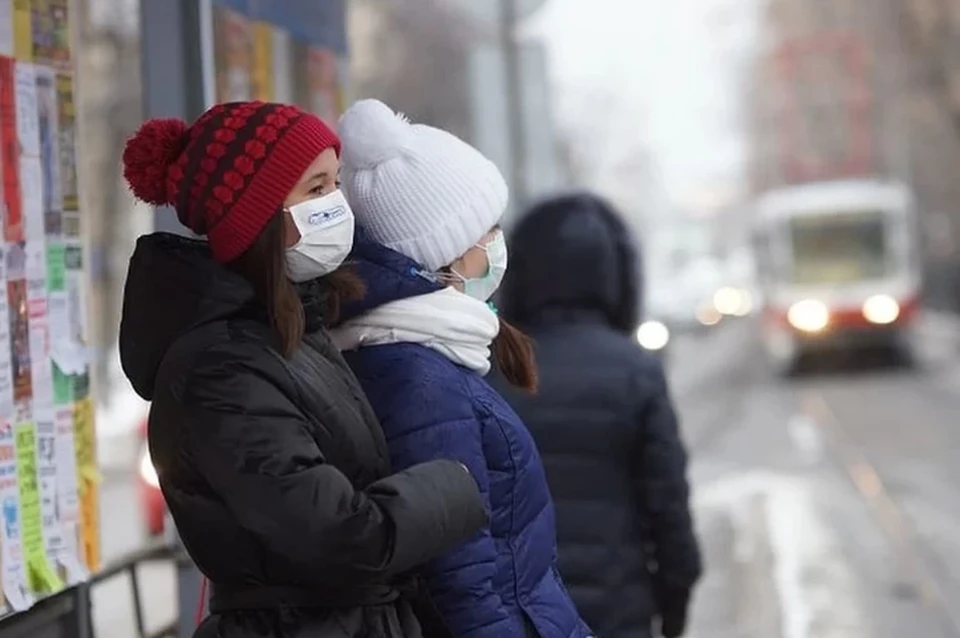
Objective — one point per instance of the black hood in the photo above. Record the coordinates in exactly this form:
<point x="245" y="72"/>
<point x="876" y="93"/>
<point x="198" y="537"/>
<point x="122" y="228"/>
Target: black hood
<point x="573" y="256"/>
<point x="174" y="286"/>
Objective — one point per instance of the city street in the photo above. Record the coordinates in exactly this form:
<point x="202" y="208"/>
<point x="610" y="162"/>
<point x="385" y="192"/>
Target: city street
<point x="826" y="504"/>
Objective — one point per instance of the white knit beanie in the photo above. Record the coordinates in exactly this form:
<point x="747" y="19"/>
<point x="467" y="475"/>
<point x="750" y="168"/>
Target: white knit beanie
<point x="417" y="189"/>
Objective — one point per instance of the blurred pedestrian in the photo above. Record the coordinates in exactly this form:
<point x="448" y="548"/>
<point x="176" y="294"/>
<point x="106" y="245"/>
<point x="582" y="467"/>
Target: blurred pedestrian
<point x="420" y="342"/>
<point x="603" y="420"/>
<point x="270" y="459"/>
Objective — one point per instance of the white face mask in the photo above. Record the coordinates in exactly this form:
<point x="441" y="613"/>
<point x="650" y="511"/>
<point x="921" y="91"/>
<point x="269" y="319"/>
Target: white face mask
<point x="482" y="288"/>
<point x="326" y="236"/>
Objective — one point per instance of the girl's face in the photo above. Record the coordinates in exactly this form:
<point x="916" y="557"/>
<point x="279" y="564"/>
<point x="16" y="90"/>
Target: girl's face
<point x="473" y="264"/>
<point x="320" y="178"/>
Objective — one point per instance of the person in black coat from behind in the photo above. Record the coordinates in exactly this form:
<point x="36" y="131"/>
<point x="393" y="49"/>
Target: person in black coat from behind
<point x="603" y="420"/>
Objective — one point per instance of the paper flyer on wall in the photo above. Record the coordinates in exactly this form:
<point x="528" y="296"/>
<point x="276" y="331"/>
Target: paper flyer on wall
<point x="19" y="323"/>
<point x="31" y="198"/>
<point x="10" y="149"/>
<point x="85" y="441"/>
<point x="50" y="32"/>
<point x="6" y="28"/>
<point x="22" y="30"/>
<point x="67" y="126"/>
<point x="46" y="432"/>
<point x="262" y="67"/>
<point x="68" y="498"/>
<point x="28" y="125"/>
<point x="49" y="132"/>
<point x="14" y="577"/>
<point x="39" y="325"/>
<point x="41" y="574"/>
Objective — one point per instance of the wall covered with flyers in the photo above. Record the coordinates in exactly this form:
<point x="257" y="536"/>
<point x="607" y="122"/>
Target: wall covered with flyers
<point x="283" y="51"/>
<point x="48" y="475"/>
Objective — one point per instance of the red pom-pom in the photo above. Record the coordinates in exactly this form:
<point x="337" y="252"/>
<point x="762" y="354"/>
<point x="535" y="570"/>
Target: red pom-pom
<point x="149" y="154"/>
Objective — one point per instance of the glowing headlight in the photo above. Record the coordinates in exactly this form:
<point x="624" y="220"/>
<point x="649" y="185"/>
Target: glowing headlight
<point x="881" y="309"/>
<point x="728" y="300"/>
<point x="808" y="315"/>
<point x="147" y="472"/>
<point x="653" y="335"/>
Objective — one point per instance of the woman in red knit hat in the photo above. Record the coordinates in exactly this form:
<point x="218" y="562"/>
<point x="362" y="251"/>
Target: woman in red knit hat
<point x="271" y="461"/>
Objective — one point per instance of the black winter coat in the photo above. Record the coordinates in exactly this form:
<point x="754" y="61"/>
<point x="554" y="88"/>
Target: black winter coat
<point x="275" y="470"/>
<point x="603" y="421"/>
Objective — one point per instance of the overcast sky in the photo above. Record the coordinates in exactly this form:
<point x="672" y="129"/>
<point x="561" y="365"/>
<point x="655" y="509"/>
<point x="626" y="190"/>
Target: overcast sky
<point x="670" y="63"/>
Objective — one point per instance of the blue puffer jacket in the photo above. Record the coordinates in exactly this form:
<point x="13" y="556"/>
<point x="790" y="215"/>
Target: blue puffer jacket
<point x="431" y="408"/>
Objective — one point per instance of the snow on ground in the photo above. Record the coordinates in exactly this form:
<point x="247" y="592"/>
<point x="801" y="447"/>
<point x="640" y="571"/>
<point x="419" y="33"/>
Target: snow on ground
<point x="787" y="563"/>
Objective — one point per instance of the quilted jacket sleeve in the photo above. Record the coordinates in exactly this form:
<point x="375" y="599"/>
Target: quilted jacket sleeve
<point x="460" y="581"/>
<point x="252" y="445"/>
<point x="663" y="491"/>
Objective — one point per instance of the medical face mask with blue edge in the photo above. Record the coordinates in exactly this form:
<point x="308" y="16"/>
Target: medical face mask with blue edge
<point x="482" y="288"/>
<point x="326" y="226"/>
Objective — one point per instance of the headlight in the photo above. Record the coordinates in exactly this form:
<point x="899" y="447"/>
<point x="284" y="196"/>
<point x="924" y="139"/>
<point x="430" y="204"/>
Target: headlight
<point x="727" y="300"/>
<point x="881" y="309"/>
<point x="808" y="315"/>
<point x="653" y="335"/>
<point x="147" y="472"/>
<point x="708" y="315"/>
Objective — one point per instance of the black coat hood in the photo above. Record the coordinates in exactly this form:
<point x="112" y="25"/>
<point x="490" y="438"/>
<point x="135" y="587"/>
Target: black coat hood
<point x="174" y="286"/>
<point x="573" y="255"/>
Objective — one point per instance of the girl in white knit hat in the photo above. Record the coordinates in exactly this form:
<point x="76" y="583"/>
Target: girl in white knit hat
<point x="431" y="254"/>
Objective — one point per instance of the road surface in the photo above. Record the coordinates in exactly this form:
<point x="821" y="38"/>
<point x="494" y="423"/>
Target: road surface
<point x="826" y="504"/>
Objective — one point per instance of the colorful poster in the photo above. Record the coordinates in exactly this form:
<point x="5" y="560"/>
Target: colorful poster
<point x="323" y="80"/>
<point x="10" y="150"/>
<point x="22" y="30"/>
<point x="19" y="326"/>
<point x="68" y="498"/>
<point x="38" y="325"/>
<point x="14" y="577"/>
<point x="49" y="133"/>
<point x="89" y="479"/>
<point x="263" y="88"/>
<point x="66" y="145"/>
<point x="42" y="577"/>
<point x="28" y="121"/>
<point x="51" y="35"/>
<point x="46" y="433"/>
<point x="233" y="55"/>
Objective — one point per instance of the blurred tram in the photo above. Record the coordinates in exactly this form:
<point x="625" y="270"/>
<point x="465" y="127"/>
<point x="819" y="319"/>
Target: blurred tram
<point x="838" y="267"/>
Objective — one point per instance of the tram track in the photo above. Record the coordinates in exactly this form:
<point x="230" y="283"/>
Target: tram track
<point x="919" y="567"/>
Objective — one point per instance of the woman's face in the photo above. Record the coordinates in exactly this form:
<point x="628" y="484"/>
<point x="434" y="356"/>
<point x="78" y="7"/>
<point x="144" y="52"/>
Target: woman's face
<point x="473" y="264"/>
<point x="320" y="178"/>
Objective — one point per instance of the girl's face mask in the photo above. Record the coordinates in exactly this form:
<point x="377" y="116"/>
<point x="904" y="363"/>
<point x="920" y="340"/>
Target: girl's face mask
<point x="326" y="227"/>
<point x="482" y="288"/>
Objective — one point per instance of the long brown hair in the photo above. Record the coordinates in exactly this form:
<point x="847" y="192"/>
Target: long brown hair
<point x="264" y="265"/>
<point x="513" y="352"/>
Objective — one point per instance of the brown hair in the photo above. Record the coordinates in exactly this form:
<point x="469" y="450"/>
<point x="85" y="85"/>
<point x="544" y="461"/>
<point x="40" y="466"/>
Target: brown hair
<point x="513" y="352"/>
<point x="264" y="265"/>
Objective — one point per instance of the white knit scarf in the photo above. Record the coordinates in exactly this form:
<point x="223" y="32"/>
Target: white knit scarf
<point x="452" y="323"/>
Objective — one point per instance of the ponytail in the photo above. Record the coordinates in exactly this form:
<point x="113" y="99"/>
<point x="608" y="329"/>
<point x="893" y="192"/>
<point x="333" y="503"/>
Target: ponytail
<point x="513" y="352"/>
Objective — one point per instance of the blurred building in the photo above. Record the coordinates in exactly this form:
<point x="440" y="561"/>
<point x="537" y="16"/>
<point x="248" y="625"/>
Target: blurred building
<point x="848" y="88"/>
<point x="415" y="56"/>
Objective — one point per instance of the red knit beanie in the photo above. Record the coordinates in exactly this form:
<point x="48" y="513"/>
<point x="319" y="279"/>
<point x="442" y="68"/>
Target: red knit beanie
<point x="228" y="173"/>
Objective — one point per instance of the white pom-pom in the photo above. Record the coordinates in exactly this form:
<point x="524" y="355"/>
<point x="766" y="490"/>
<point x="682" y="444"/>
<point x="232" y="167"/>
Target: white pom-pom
<point x="371" y="134"/>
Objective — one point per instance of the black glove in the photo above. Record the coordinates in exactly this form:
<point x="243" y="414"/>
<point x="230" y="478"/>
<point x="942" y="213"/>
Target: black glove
<point x="673" y="614"/>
